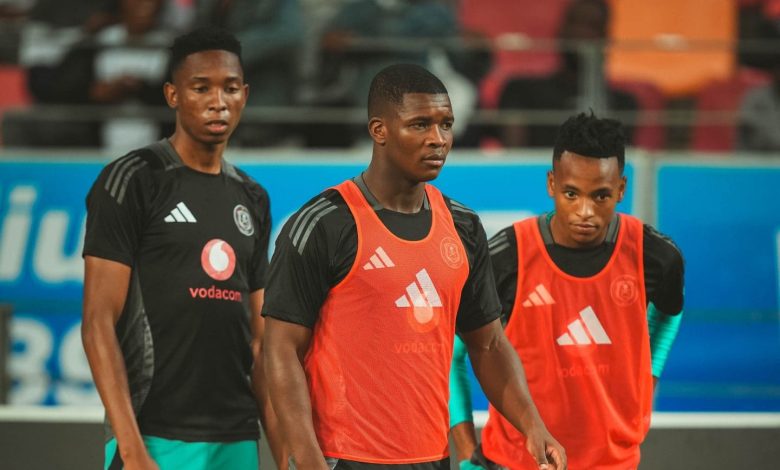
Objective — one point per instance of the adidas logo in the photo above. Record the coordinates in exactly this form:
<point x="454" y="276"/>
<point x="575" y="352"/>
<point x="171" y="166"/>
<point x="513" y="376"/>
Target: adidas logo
<point x="539" y="297"/>
<point x="581" y="332"/>
<point x="421" y="293"/>
<point x="180" y="214"/>
<point x="379" y="260"/>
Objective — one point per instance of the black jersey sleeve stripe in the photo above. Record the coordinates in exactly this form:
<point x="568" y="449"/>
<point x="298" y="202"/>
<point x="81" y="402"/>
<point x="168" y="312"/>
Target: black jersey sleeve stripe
<point x="310" y="222"/>
<point x="120" y="176"/>
<point x="456" y="206"/>
<point x="118" y="168"/>
<point x="498" y="239"/>
<point x="303" y="219"/>
<point x="302" y="214"/>
<point x="126" y="180"/>
<point x="313" y="224"/>
<point x="499" y="248"/>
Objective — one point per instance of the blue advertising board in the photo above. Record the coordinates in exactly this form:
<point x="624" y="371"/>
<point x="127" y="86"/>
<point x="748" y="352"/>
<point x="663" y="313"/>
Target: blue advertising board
<point x="727" y="356"/>
<point x="724" y="219"/>
<point x="42" y="218"/>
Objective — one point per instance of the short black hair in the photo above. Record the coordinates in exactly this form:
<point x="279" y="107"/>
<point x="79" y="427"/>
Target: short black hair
<point x="393" y="82"/>
<point x="199" y="40"/>
<point x="590" y="136"/>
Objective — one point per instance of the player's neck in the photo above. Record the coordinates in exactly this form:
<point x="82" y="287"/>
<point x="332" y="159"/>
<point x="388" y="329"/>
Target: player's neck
<point x="205" y="158"/>
<point x="394" y="193"/>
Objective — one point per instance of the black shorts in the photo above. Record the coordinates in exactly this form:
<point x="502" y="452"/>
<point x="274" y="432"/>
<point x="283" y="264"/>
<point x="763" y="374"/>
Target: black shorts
<point x="341" y="464"/>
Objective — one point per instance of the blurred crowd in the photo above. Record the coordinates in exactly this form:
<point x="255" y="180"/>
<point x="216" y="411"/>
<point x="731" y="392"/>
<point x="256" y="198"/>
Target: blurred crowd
<point x="699" y="75"/>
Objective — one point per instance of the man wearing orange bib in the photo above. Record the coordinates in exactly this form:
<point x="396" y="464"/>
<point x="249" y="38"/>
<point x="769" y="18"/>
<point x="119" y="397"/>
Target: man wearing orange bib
<point x="585" y="291"/>
<point x="368" y="284"/>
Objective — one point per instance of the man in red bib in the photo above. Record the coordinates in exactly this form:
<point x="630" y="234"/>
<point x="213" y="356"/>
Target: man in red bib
<point x="585" y="291"/>
<point x="368" y="284"/>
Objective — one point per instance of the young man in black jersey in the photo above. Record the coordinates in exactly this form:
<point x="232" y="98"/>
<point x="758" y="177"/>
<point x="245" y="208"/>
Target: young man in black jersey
<point x="368" y="283"/>
<point x="175" y="269"/>
<point x="592" y="301"/>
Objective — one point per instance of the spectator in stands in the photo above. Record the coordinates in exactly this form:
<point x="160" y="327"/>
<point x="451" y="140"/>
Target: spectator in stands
<point x="52" y="30"/>
<point x="271" y="32"/>
<point x="121" y="63"/>
<point x="585" y="20"/>
<point x="759" y="113"/>
<point x="348" y="64"/>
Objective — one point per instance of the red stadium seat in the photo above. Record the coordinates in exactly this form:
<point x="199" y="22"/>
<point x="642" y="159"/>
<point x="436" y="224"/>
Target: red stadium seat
<point x="722" y="96"/>
<point x="650" y="133"/>
<point x="528" y="18"/>
<point x="13" y="90"/>
<point x="13" y="87"/>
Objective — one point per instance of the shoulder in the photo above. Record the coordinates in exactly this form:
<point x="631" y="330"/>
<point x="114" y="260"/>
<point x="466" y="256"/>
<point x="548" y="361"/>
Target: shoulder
<point x="661" y="248"/>
<point x="326" y="214"/>
<point x="137" y="168"/>
<point x="504" y="240"/>
<point x="255" y="191"/>
<point x="464" y="217"/>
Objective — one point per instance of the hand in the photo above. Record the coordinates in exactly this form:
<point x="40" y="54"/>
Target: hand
<point x="547" y="452"/>
<point x="313" y="461"/>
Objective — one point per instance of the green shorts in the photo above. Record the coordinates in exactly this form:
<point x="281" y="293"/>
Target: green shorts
<point x="171" y="455"/>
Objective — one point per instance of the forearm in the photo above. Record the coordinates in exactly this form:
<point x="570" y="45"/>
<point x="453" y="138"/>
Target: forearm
<point x="268" y="418"/>
<point x="290" y="397"/>
<point x="464" y="436"/>
<point x="502" y="377"/>
<point x="462" y="430"/>
<point x="110" y="375"/>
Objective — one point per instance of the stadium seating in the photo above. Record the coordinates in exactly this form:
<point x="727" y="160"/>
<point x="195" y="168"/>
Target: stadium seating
<point x="678" y="46"/>
<point x="722" y="97"/>
<point x="510" y="22"/>
<point x="650" y="132"/>
<point x="13" y="89"/>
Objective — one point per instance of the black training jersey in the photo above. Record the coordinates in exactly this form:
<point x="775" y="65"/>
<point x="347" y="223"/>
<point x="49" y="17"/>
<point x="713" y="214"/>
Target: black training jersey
<point x="663" y="262"/>
<point x="197" y="245"/>
<point x="318" y="245"/>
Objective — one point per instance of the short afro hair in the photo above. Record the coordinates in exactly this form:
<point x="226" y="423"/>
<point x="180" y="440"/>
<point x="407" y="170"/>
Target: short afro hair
<point x="199" y="40"/>
<point x="590" y="136"/>
<point x="391" y="84"/>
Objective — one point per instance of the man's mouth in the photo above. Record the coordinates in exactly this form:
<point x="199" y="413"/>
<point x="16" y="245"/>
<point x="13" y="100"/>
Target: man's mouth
<point x="217" y="126"/>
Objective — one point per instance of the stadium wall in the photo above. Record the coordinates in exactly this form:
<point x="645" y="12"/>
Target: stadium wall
<point x="68" y="438"/>
<point x="722" y="213"/>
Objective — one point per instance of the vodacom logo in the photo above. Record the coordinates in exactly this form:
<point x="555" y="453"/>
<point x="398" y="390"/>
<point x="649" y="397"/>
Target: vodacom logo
<point x="218" y="259"/>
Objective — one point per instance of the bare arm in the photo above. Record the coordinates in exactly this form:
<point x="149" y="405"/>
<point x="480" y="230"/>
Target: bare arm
<point x="286" y="345"/>
<point x="105" y="290"/>
<point x="268" y="418"/>
<point x="465" y="438"/>
<point x="502" y="377"/>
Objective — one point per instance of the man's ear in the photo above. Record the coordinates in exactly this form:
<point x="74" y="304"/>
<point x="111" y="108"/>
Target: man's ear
<point x="622" y="188"/>
<point x="171" y="96"/>
<point x="551" y="183"/>
<point x="377" y="130"/>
